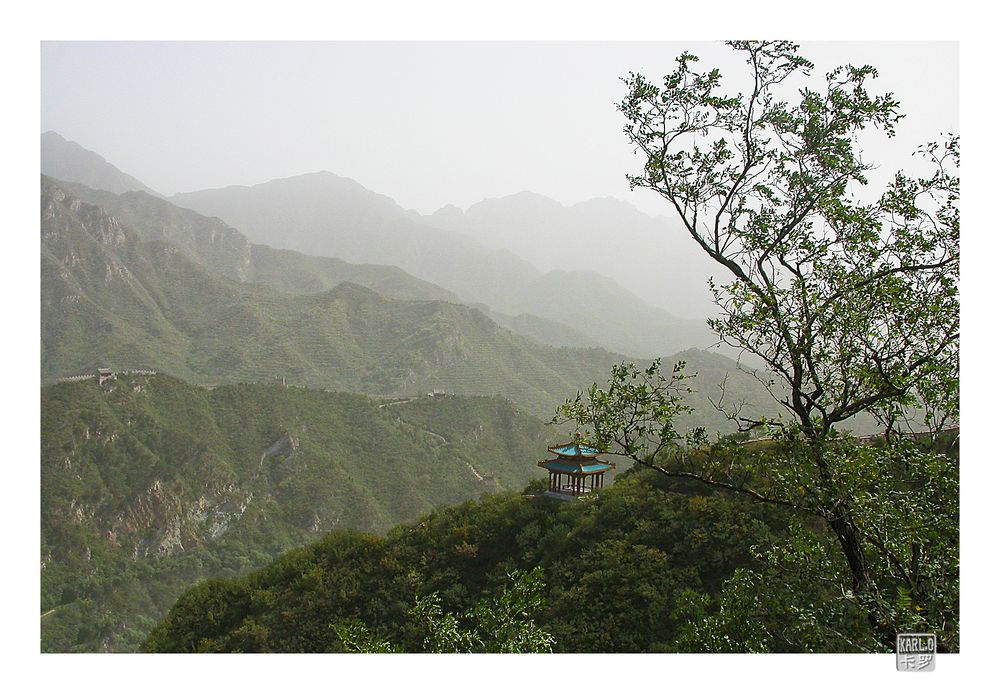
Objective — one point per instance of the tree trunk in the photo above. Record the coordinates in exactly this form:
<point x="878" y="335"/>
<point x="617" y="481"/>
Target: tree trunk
<point x="861" y="581"/>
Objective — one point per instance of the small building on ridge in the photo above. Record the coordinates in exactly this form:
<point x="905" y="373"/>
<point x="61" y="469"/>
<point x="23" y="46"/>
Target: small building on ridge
<point x="575" y="471"/>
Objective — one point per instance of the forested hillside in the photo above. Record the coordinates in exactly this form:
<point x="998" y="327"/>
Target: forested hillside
<point x="150" y="484"/>
<point x="621" y="572"/>
<point x="649" y="564"/>
<point x="111" y="299"/>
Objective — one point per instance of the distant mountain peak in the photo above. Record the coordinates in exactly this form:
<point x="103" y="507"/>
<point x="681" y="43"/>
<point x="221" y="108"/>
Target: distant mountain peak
<point x="521" y="202"/>
<point x="447" y="217"/>
<point x="68" y="161"/>
<point x="314" y="185"/>
<point x="322" y="174"/>
<point x="354" y="290"/>
<point x="536" y="197"/>
<point x="610" y="203"/>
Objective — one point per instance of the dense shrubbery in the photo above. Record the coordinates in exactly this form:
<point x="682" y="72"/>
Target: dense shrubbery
<point x="651" y="564"/>
<point x="615" y="569"/>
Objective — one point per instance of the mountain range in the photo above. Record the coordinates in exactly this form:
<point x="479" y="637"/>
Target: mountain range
<point x="224" y="251"/>
<point x="651" y="257"/>
<point x="331" y="217"/>
<point x="324" y="214"/>
<point x="112" y="298"/>
<point x="151" y="483"/>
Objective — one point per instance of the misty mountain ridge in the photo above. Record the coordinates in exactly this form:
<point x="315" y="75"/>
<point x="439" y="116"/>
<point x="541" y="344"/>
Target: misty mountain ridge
<point x="226" y="252"/>
<point x="66" y="160"/>
<point x="111" y="298"/>
<point x="652" y="257"/>
<point x="333" y="217"/>
<point x="324" y="214"/>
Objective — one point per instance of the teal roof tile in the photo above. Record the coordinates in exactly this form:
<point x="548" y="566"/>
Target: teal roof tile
<point x="563" y="466"/>
<point x="575" y="450"/>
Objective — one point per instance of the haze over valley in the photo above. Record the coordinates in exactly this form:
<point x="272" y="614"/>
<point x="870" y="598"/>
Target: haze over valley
<point x="331" y="288"/>
<point x="446" y="347"/>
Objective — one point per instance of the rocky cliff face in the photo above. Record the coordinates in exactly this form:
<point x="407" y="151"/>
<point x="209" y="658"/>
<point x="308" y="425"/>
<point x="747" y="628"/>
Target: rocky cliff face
<point x="160" y="522"/>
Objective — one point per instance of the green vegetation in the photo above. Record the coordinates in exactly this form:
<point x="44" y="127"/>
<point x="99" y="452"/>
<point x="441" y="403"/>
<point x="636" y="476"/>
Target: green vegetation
<point x="649" y="564"/>
<point x="326" y="215"/>
<point x="226" y="252"/>
<point x="150" y="484"/>
<point x="616" y="568"/>
<point x="111" y="299"/>
<point x="501" y="624"/>
<point x="903" y="497"/>
<point x="853" y="306"/>
<point x="804" y="539"/>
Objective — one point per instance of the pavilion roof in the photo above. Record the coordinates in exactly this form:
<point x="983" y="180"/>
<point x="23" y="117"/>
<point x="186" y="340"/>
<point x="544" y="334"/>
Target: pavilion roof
<point x="574" y="449"/>
<point x="592" y="467"/>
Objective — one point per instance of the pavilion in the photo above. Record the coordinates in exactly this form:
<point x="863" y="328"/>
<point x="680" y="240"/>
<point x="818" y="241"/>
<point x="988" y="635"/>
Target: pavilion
<point x="575" y="471"/>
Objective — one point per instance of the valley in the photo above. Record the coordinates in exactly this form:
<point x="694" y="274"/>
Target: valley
<point x="304" y="406"/>
<point x="278" y="415"/>
<point x="150" y="484"/>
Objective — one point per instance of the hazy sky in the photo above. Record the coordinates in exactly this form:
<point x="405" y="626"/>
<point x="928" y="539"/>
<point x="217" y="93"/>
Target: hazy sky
<point x="426" y="123"/>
